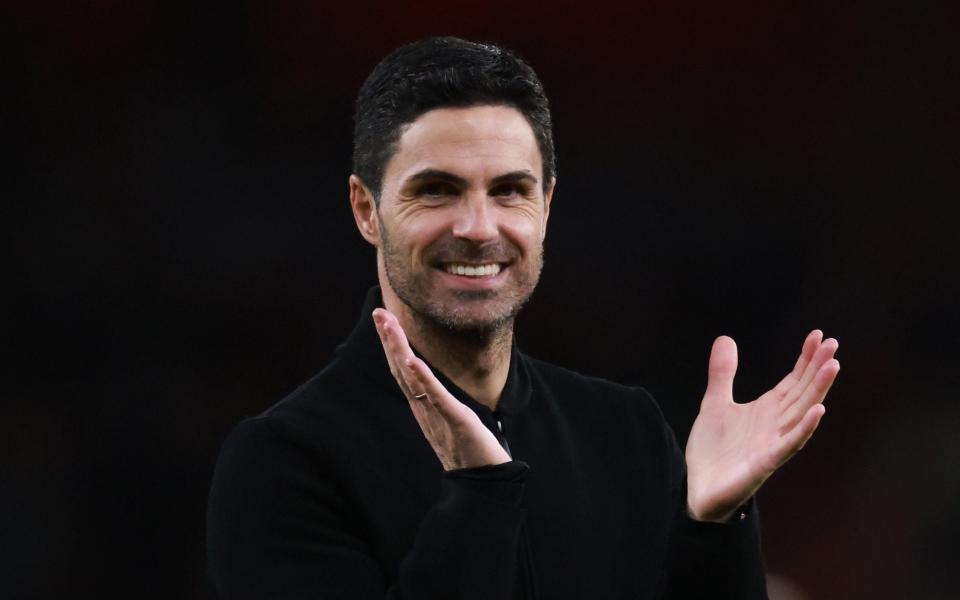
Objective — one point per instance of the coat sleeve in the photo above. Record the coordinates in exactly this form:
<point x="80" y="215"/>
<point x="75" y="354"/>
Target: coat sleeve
<point x="278" y="526"/>
<point x="711" y="560"/>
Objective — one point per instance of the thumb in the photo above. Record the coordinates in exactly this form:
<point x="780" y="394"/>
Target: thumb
<point x="721" y="370"/>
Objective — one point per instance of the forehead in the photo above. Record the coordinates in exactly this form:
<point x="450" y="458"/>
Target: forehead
<point x="477" y="141"/>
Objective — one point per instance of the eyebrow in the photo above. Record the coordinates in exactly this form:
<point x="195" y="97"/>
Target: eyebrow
<point x="515" y="176"/>
<point x="434" y="175"/>
<point x="440" y="175"/>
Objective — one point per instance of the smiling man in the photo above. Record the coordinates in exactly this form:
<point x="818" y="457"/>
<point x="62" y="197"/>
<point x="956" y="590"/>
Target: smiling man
<point x="460" y="232"/>
<point x="434" y="459"/>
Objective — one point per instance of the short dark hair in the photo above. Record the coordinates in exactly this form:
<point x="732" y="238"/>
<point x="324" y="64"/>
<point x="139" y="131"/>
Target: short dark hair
<point x="437" y="73"/>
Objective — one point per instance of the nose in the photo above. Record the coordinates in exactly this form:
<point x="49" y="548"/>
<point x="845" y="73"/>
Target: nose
<point x="476" y="220"/>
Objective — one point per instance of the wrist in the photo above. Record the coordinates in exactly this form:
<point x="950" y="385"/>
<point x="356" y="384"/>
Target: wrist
<point x="738" y="513"/>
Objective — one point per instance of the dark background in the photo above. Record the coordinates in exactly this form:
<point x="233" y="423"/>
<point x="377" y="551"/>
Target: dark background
<point x="184" y="255"/>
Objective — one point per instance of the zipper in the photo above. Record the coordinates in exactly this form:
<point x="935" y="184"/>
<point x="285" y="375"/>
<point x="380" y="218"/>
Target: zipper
<point x="503" y="439"/>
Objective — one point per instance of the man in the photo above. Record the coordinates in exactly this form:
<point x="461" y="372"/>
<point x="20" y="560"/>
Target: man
<point x="389" y="474"/>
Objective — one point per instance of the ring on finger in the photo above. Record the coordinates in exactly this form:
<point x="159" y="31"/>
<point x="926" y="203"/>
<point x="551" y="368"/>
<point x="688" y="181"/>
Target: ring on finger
<point x="420" y="396"/>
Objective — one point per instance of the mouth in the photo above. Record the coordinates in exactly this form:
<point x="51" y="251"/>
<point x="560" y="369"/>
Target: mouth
<point x="474" y="271"/>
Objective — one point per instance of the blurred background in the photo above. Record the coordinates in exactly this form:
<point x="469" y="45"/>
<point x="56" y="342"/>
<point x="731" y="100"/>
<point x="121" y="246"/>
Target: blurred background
<point x="183" y="254"/>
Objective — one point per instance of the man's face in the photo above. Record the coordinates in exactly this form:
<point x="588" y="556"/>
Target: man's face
<point x="462" y="217"/>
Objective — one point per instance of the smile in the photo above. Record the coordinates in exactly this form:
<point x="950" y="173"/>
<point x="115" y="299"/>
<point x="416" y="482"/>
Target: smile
<point x="489" y="270"/>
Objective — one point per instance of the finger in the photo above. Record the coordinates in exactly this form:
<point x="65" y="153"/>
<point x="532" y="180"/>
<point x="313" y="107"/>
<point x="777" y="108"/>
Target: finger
<point x="823" y="354"/>
<point x="797" y="437"/>
<point x="807" y="350"/>
<point x="397" y="342"/>
<point x="430" y="421"/>
<point x="721" y="370"/>
<point x="437" y="396"/>
<point x="378" y="319"/>
<point x="810" y="345"/>
<point x="395" y="346"/>
<point x="815" y="394"/>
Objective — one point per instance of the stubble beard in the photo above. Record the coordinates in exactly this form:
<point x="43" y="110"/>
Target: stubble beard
<point x="452" y="316"/>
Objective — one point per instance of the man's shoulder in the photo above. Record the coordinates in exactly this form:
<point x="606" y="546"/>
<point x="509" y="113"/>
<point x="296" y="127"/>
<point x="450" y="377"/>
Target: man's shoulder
<point x="597" y="408"/>
<point x="554" y="375"/>
<point x="568" y="385"/>
<point x="337" y="399"/>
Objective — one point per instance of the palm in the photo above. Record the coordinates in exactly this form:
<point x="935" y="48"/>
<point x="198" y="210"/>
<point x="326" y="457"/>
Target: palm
<point x="733" y="448"/>
<point x="456" y="434"/>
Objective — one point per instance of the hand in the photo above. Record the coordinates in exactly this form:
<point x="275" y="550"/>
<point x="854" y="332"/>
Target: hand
<point x="454" y="431"/>
<point x="733" y="448"/>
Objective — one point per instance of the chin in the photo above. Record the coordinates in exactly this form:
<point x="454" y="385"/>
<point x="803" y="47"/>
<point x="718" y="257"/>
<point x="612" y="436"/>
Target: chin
<point x="458" y="310"/>
<point x="472" y="322"/>
<point x="471" y="316"/>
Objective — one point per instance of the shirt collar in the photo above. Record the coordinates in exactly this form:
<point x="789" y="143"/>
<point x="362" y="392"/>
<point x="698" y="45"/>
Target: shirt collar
<point x="362" y="347"/>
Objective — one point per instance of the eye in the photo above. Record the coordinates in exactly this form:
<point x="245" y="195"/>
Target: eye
<point x="437" y="189"/>
<point x="514" y="192"/>
<point x="506" y="190"/>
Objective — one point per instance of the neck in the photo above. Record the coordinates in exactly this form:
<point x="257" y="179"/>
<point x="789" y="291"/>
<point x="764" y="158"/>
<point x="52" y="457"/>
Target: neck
<point x="477" y="362"/>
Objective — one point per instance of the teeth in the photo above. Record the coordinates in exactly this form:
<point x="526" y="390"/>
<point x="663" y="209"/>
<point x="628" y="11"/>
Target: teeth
<point x="474" y="270"/>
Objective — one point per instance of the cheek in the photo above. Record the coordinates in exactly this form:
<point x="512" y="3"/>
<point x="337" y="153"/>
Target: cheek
<point x="526" y="229"/>
<point x="417" y="232"/>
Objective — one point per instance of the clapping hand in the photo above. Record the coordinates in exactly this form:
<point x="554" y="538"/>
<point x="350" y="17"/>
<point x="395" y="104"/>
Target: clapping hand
<point x="455" y="432"/>
<point x="733" y="448"/>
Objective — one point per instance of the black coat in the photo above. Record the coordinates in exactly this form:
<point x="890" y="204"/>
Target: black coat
<point x="335" y="493"/>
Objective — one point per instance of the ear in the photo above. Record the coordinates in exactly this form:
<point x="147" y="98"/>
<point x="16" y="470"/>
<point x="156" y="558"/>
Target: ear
<point x="547" y="199"/>
<point x="364" y="211"/>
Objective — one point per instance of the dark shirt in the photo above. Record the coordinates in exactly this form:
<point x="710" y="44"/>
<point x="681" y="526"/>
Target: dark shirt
<point x="336" y="493"/>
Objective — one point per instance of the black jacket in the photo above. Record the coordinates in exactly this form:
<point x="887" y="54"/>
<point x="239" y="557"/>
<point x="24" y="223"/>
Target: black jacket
<point x="335" y="493"/>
